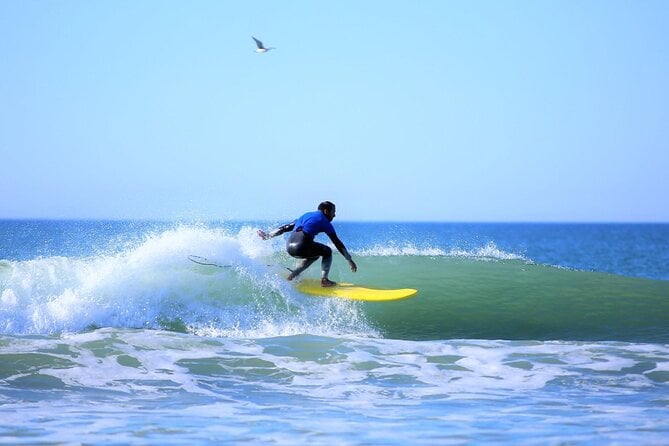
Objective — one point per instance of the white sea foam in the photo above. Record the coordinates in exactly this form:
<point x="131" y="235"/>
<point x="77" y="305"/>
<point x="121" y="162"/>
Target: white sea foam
<point x="152" y="283"/>
<point x="471" y="387"/>
<point x="490" y="251"/>
<point x="334" y="368"/>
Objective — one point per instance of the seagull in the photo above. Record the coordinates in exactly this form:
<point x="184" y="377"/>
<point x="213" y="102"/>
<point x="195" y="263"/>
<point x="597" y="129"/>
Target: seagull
<point x="261" y="48"/>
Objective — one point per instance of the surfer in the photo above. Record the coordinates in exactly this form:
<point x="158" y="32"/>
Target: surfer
<point x="301" y="242"/>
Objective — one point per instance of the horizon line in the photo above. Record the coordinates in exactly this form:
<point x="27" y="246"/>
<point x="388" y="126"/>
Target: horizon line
<point x="247" y="220"/>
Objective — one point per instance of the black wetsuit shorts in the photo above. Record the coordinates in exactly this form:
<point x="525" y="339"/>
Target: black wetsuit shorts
<point x="302" y="245"/>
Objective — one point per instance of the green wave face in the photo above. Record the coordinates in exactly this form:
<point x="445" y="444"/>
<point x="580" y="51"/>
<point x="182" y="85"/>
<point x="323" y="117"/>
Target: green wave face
<point x="511" y="299"/>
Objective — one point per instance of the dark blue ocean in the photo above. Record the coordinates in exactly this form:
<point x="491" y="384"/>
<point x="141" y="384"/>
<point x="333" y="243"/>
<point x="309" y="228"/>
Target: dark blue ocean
<point x="519" y="334"/>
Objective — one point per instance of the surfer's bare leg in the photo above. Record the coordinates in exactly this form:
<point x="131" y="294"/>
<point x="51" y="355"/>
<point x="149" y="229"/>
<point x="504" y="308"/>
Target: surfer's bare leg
<point x="325" y="268"/>
<point x="304" y="264"/>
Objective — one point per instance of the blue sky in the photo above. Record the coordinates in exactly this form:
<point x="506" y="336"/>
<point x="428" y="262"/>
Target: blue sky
<point x="430" y="110"/>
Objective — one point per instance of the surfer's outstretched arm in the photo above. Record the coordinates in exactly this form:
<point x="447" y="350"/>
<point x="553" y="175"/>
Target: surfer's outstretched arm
<point x="278" y="231"/>
<point x="342" y="249"/>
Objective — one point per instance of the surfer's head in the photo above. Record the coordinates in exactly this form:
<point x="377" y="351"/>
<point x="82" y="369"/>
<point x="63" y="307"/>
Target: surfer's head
<point x="328" y="208"/>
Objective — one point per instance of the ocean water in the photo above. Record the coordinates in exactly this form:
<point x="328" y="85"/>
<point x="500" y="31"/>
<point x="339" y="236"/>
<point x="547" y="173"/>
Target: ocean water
<point x="520" y="334"/>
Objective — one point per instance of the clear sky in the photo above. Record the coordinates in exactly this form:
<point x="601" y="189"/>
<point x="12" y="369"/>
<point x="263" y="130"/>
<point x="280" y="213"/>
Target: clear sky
<point x="412" y="110"/>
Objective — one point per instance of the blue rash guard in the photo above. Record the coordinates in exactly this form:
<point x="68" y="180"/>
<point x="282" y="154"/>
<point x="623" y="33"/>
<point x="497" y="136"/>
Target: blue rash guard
<point x="313" y="223"/>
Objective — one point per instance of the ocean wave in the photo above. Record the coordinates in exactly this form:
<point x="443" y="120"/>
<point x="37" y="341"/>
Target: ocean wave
<point x="152" y="284"/>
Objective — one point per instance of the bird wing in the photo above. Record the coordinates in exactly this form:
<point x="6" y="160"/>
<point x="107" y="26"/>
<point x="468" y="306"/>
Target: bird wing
<point x="258" y="43"/>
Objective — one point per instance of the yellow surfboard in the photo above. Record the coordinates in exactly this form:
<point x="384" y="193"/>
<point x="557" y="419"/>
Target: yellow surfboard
<point x="353" y="292"/>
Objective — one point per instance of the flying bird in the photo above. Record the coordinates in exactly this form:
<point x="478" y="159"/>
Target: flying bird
<point x="261" y="48"/>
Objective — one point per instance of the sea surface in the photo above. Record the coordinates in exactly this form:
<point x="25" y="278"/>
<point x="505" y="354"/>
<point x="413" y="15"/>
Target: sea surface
<point x="545" y="334"/>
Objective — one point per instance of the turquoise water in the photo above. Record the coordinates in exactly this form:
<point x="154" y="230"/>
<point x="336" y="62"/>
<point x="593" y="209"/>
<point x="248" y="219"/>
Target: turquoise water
<point x="522" y="334"/>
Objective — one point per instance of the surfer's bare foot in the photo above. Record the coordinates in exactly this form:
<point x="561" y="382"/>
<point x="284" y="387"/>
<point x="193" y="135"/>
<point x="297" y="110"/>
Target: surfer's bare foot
<point x="327" y="283"/>
<point x="292" y="274"/>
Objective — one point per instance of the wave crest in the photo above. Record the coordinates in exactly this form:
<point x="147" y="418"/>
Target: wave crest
<point x="488" y="252"/>
<point x="152" y="284"/>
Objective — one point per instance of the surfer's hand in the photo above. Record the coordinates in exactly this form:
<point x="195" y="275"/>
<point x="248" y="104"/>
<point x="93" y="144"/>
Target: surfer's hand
<point x="353" y="266"/>
<point x="262" y="234"/>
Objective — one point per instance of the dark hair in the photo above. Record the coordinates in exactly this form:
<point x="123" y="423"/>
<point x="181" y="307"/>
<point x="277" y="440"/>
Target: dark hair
<point x="326" y="205"/>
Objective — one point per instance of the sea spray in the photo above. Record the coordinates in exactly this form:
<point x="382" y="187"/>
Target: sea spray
<point x="152" y="284"/>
